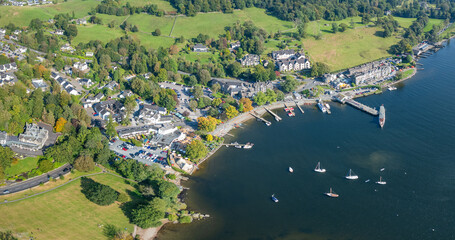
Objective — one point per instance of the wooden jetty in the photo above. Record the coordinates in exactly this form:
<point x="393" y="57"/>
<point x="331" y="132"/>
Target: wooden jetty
<point x="289" y="110"/>
<point x="277" y="118"/>
<point x="301" y="110"/>
<point x="362" y="107"/>
<point x="256" y="115"/>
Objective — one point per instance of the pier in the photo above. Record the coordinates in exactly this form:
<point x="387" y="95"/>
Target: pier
<point x="301" y="110"/>
<point x="238" y="145"/>
<point x="362" y="107"/>
<point x="277" y="118"/>
<point x="289" y="110"/>
<point x="260" y="118"/>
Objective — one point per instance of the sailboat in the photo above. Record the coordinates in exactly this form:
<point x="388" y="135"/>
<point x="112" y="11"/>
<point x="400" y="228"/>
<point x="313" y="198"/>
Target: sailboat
<point x="319" y="169"/>
<point x="332" y="194"/>
<point x="381" y="182"/>
<point x="274" y="198"/>
<point x="291" y="170"/>
<point x="351" y="175"/>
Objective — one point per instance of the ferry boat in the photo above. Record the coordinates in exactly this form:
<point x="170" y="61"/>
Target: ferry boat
<point x="381" y="116"/>
<point x="332" y="194"/>
<point x="274" y="198"/>
<point x="291" y="170"/>
<point x="391" y="88"/>
<point x="351" y="175"/>
<point x="319" y="169"/>
<point x="248" y="145"/>
<point x="381" y="182"/>
<point x="321" y="107"/>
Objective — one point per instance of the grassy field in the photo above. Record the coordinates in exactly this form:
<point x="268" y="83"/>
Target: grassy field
<point x="96" y="32"/>
<point x="406" y="22"/>
<point x="65" y="213"/>
<point x="21" y="16"/>
<point x="350" y="48"/>
<point x="23" y="165"/>
<point x="163" y="5"/>
<point x="148" y="23"/>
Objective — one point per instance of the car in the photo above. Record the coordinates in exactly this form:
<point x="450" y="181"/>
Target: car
<point x="6" y="192"/>
<point x="124" y="149"/>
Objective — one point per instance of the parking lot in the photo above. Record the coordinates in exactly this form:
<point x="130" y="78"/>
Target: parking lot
<point x="144" y="155"/>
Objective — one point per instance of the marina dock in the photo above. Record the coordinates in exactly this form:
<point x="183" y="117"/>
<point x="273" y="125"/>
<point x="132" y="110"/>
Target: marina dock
<point x="301" y="110"/>
<point x="277" y="118"/>
<point x="362" y="107"/>
<point x="289" y="110"/>
<point x="256" y="115"/>
<point x="238" y="145"/>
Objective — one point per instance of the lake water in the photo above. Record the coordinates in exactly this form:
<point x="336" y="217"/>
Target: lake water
<point x="416" y="148"/>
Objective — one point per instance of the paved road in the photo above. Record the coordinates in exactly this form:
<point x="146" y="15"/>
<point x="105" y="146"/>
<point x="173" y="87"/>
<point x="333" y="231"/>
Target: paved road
<point x="33" y="182"/>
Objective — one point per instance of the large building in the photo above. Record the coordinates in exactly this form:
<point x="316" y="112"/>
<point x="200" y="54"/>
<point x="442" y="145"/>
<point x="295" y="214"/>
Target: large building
<point x="241" y="89"/>
<point x="250" y="60"/>
<point x="371" y="72"/>
<point x="110" y="108"/>
<point x="289" y="60"/>
<point x="33" y="138"/>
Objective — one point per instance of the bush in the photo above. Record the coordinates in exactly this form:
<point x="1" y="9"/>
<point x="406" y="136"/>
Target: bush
<point x="98" y="193"/>
<point x="171" y="176"/>
<point x="172" y="217"/>
<point x="62" y="177"/>
<point x="185" y="219"/>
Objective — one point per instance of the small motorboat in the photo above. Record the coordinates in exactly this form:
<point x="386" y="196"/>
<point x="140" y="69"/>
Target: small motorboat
<point x="382" y="169"/>
<point x="381" y="182"/>
<point x="274" y="198"/>
<point x="391" y="88"/>
<point x="368" y="180"/>
<point x="319" y="169"/>
<point x="248" y="145"/>
<point x="332" y="194"/>
<point x="291" y="170"/>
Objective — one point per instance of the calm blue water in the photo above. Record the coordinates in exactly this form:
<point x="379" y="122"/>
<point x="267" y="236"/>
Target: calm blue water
<point x="416" y="148"/>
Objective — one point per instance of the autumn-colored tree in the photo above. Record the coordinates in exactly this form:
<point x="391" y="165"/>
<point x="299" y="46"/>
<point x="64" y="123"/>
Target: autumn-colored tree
<point x="247" y="104"/>
<point x="84" y="163"/>
<point x="209" y="137"/>
<point x="231" y="112"/>
<point x="216" y="102"/>
<point x="60" y="124"/>
<point x="173" y="49"/>
<point x="207" y="123"/>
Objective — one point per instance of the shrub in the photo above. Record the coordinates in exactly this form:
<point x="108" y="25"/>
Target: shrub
<point x="185" y="219"/>
<point x="98" y="193"/>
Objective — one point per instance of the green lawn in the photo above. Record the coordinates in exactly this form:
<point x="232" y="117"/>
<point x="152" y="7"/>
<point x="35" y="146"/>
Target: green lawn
<point x="65" y="213"/>
<point x="109" y="18"/>
<point x="406" y="22"/>
<point x="200" y="57"/>
<point x="350" y="48"/>
<point x="163" y="5"/>
<point x="96" y="32"/>
<point x="23" y="165"/>
<point x="148" y="23"/>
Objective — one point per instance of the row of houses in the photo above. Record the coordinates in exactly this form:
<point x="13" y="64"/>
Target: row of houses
<point x="8" y="67"/>
<point x="67" y="86"/>
<point x="240" y="88"/>
<point x="26" y="3"/>
<point x="369" y="72"/>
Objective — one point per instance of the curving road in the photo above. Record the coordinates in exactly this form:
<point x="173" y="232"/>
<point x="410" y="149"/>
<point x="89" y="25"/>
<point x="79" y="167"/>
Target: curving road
<point x="35" y="181"/>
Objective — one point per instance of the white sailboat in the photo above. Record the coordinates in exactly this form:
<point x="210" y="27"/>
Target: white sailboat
<point x="351" y="175"/>
<point x="319" y="169"/>
<point x="381" y="182"/>
<point x="291" y="170"/>
<point x="332" y="194"/>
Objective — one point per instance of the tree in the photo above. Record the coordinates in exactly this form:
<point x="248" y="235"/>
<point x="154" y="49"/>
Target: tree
<point x="168" y="190"/>
<point x="203" y="76"/>
<point x="130" y="104"/>
<point x="207" y="124"/>
<point x="215" y="87"/>
<point x="216" y="102"/>
<point x="343" y="27"/>
<point x="334" y="27"/>
<point x="146" y="216"/>
<point x="45" y="165"/>
<point x="84" y="163"/>
<point x="110" y="128"/>
<point x="196" y="150"/>
<point x="209" y="137"/>
<point x="192" y="104"/>
<point x="247" y="104"/>
<point x="197" y="92"/>
<point x="290" y="84"/>
<point x="231" y="112"/>
<point x="6" y="157"/>
<point x="7" y="235"/>
<point x="319" y="69"/>
<point x="260" y="98"/>
<point x="173" y="49"/>
<point x="71" y="31"/>
<point x="234" y="69"/>
<point x="157" y="32"/>
<point x="60" y="124"/>
<point x="98" y="193"/>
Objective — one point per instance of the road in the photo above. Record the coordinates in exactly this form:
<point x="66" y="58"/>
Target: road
<point x="35" y="181"/>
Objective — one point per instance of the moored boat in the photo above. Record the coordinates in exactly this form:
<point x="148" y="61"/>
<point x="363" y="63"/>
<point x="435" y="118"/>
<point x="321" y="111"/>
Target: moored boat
<point x="248" y="145"/>
<point x="274" y="198"/>
<point x="291" y="170"/>
<point x="382" y="116"/>
<point x="322" y="107"/>
<point x="351" y="175"/>
<point x="391" y="88"/>
<point x="381" y="182"/>
<point x="319" y="169"/>
<point x="331" y="194"/>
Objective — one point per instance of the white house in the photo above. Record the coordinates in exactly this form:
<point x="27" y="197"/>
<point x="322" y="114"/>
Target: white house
<point x="89" y="54"/>
<point x="86" y="82"/>
<point x="59" y="32"/>
<point x="200" y="48"/>
<point x="81" y="66"/>
<point x="39" y="83"/>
